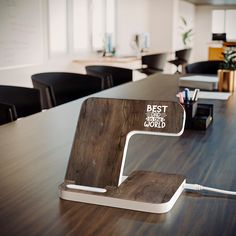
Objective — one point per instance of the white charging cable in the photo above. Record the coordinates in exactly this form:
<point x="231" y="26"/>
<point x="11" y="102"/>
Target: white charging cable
<point x="198" y="187"/>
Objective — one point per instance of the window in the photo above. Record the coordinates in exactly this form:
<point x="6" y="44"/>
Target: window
<point x="103" y="24"/>
<point x="80" y="25"/>
<point x="223" y="22"/>
<point x="57" y="26"/>
<point x="98" y="23"/>
<point x="110" y="17"/>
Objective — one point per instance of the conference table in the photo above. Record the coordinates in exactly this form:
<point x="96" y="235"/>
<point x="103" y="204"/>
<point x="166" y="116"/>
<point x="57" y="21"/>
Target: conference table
<point x="34" y="152"/>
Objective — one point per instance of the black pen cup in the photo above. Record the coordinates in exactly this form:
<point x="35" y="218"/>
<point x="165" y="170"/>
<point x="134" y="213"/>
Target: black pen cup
<point x="191" y="110"/>
<point x="198" y="116"/>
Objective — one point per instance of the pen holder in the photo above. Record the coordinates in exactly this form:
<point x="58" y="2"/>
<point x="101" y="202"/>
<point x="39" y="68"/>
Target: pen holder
<point x="198" y="116"/>
<point x="190" y="109"/>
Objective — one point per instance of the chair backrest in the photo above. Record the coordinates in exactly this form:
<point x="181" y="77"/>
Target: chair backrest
<point x="104" y="129"/>
<point x="183" y="54"/>
<point x="25" y="100"/>
<point x="60" y="87"/>
<point x="45" y="90"/>
<point x="203" y="67"/>
<point x="118" y="75"/>
<point x="155" y="61"/>
<point x="7" y="113"/>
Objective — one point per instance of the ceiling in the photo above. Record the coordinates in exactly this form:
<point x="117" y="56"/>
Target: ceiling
<point x="213" y="2"/>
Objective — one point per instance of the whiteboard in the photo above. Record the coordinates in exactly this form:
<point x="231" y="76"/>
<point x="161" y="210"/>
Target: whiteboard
<point x="21" y="39"/>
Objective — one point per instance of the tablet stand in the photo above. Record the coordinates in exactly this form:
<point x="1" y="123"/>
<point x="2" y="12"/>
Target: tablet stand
<point x="95" y="169"/>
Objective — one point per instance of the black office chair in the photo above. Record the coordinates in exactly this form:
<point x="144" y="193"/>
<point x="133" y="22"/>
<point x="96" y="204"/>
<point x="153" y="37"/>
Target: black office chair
<point x="7" y="113"/>
<point x="181" y="58"/>
<point x="154" y="63"/>
<point x="203" y="67"/>
<point x="111" y="76"/>
<point x="57" y="88"/>
<point x="25" y="100"/>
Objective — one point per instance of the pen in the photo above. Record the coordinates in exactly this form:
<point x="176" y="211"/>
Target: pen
<point x="186" y="95"/>
<point x="195" y="95"/>
<point x="181" y="98"/>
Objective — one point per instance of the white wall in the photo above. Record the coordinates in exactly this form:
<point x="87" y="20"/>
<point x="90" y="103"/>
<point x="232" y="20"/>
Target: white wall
<point x="156" y="17"/>
<point x="21" y="40"/>
<point x="165" y="26"/>
<point x="187" y="11"/>
<point x="160" y="18"/>
<point x="203" y="30"/>
<point x="161" y="22"/>
<point x="132" y="18"/>
<point x="24" y="40"/>
<point x="21" y="76"/>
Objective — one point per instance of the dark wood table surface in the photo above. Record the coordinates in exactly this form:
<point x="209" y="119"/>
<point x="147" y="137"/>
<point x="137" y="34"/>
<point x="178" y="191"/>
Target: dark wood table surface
<point x="34" y="152"/>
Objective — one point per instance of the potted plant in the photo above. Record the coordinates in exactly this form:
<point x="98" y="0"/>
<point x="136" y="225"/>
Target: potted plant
<point x="226" y="73"/>
<point x="186" y="33"/>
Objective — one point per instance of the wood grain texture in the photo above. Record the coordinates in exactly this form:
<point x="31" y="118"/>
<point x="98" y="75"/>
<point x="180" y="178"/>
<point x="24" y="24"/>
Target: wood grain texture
<point x="147" y="186"/>
<point x="141" y="186"/>
<point x="34" y="153"/>
<point x="101" y="133"/>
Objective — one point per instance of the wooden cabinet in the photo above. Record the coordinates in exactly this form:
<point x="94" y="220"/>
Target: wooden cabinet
<point x="215" y="53"/>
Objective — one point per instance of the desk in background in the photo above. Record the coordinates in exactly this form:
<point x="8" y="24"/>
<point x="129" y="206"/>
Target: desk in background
<point x="215" y="51"/>
<point x="129" y="62"/>
<point x="34" y="152"/>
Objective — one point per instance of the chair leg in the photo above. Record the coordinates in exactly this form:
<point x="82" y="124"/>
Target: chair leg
<point x="177" y="70"/>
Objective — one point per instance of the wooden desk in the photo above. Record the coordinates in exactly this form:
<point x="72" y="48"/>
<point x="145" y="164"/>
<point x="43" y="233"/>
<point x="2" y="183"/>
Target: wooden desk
<point x="125" y="62"/>
<point x="131" y="62"/>
<point x="33" y="158"/>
